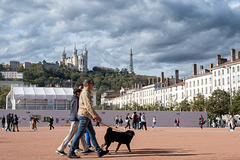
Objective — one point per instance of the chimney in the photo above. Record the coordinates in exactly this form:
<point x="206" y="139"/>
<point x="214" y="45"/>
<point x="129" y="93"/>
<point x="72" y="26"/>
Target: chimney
<point x="211" y="66"/>
<point x="219" y="59"/>
<point x="167" y="79"/>
<point x="238" y="54"/>
<point x="201" y="69"/>
<point x="233" y="56"/>
<point x="153" y="80"/>
<point x="176" y="76"/>
<point x="149" y="81"/>
<point x="162" y="77"/>
<point x="158" y="79"/>
<point x="194" y="69"/>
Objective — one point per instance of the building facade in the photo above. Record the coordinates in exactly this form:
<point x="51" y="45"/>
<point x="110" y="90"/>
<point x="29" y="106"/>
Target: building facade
<point x="79" y="62"/>
<point x="168" y="92"/>
<point x="12" y="74"/>
<point x="14" y="64"/>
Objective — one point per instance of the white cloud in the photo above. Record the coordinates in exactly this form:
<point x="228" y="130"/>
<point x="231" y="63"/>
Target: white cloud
<point x="164" y="35"/>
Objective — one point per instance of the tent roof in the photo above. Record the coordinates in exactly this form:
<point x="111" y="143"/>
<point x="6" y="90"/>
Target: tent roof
<point x="42" y="93"/>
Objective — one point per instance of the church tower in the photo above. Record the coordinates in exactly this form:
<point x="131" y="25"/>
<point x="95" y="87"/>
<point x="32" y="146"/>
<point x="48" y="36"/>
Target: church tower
<point x="63" y="58"/>
<point x="85" y="55"/>
<point x="75" y="58"/>
<point x="131" y="62"/>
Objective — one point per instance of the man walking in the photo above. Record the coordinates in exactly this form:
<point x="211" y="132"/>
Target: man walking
<point x="74" y="125"/>
<point x="86" y="113"/>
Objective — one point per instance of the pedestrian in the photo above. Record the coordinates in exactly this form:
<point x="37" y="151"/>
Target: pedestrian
<point x="8" y="123"/>
<point x="201" y="121"/>
<point x="178" y="122"/>
<point x="175" y="122"/>
<point x="11" y="122"/>
<point x="127" y="120"/>
<point x="74" y="126"/>
<point x="32" y="125"/>
<point x="134" y="120"/>
<point x="139" y="121"/>
<point x="154" y="122"/>
<point x="86" y="113"/>
<point x="120" y="121"/>
<point x="51" y="123"/>
<point x="231" y="122"/>
<point x="116" y="121"/>
<point x="143" y="121"/>
<point x="35" y="119"/>
<point x="3" y="122"/>
<point x="15" y="123"/>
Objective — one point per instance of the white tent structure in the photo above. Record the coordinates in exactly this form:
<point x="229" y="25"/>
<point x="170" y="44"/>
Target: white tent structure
<point x="39" y="98"/>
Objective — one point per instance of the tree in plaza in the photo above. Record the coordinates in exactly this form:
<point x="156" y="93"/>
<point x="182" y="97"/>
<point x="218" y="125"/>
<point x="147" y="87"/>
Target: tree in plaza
<point x="199" y="103"/>
<point x="184" y="105"/>
<point x="4" y="90"/>
<point x="235" y="108"/>
<point x="218" y="103"/>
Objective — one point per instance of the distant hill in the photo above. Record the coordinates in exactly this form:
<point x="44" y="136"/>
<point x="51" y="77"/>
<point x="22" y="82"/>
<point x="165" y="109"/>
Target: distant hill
<point x="104" y="78"/>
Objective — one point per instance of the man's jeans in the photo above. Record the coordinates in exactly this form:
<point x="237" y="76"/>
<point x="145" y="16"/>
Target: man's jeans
<point x="84" y="124"/>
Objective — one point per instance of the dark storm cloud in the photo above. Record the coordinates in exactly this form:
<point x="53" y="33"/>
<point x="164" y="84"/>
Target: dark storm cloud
<point x="164" y="35"/>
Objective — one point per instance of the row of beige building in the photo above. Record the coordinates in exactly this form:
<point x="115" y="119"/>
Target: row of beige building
<point x="170" y="91"/>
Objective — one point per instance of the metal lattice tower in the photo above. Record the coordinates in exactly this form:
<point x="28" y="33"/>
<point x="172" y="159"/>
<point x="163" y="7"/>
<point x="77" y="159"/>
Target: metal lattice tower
<point x="131" y="63"/>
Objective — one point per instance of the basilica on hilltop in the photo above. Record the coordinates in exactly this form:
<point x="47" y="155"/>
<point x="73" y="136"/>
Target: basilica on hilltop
<point x="79" y="62"/>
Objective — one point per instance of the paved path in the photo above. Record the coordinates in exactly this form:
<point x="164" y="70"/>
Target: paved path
<point x="155" y="144"/>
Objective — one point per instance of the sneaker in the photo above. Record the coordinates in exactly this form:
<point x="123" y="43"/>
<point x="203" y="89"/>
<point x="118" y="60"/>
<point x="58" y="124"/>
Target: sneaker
<point x="102" y="153"/>
<point x="92" y="148"/>
<point x="62" y="153"/>
<point x="72" y="155"/>
<point x="78" y="150"/>
<point x="88" y="152"/>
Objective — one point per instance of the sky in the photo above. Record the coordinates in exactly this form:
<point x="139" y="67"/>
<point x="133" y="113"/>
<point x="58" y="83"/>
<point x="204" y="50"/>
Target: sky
<point x="165" y="35"/>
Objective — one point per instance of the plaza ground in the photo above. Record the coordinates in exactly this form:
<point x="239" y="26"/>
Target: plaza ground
<point x="156" y="144"/>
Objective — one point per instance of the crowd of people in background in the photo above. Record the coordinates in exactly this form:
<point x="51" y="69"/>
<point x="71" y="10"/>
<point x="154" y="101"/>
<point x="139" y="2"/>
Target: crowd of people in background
<point x="12" y="123"/>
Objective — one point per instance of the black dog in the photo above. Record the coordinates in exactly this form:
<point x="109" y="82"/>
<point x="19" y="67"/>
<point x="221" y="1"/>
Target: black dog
<point x="120" y="137"/>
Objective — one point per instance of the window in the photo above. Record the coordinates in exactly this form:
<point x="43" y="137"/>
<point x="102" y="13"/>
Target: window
<point x="206" y="81"/>
<point x="197" y="82"/>
<point x="223" y="72"/>
<point x="219" y="82"/>
<point x="237" y="68"/>
<point x="215" y="82"/>
<point x="233" y="69"/>
<point x="206" y="90"/>
<point x="215" y="73"/>
<point x="201" y="81"/>
<point x="193" y="83"/>
<point x="190" y="84"/>
<point x="233" y="79"/>
<point x="210" y="80"/>
<point x="223" y="81"/>
<point x="228" y="71"/>
<point x="202" y="90"/>
<point x="218" y="72"/>
<point x="190" y="92"/>
<point x="228" y="80"/>
<point x="182" y="95"/>
<point x="194" y="92"/>
<point x="238" y="78"/>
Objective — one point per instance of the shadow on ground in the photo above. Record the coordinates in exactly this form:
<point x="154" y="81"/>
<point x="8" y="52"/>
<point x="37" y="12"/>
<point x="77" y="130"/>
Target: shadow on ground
<point x="153" y="152"/>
